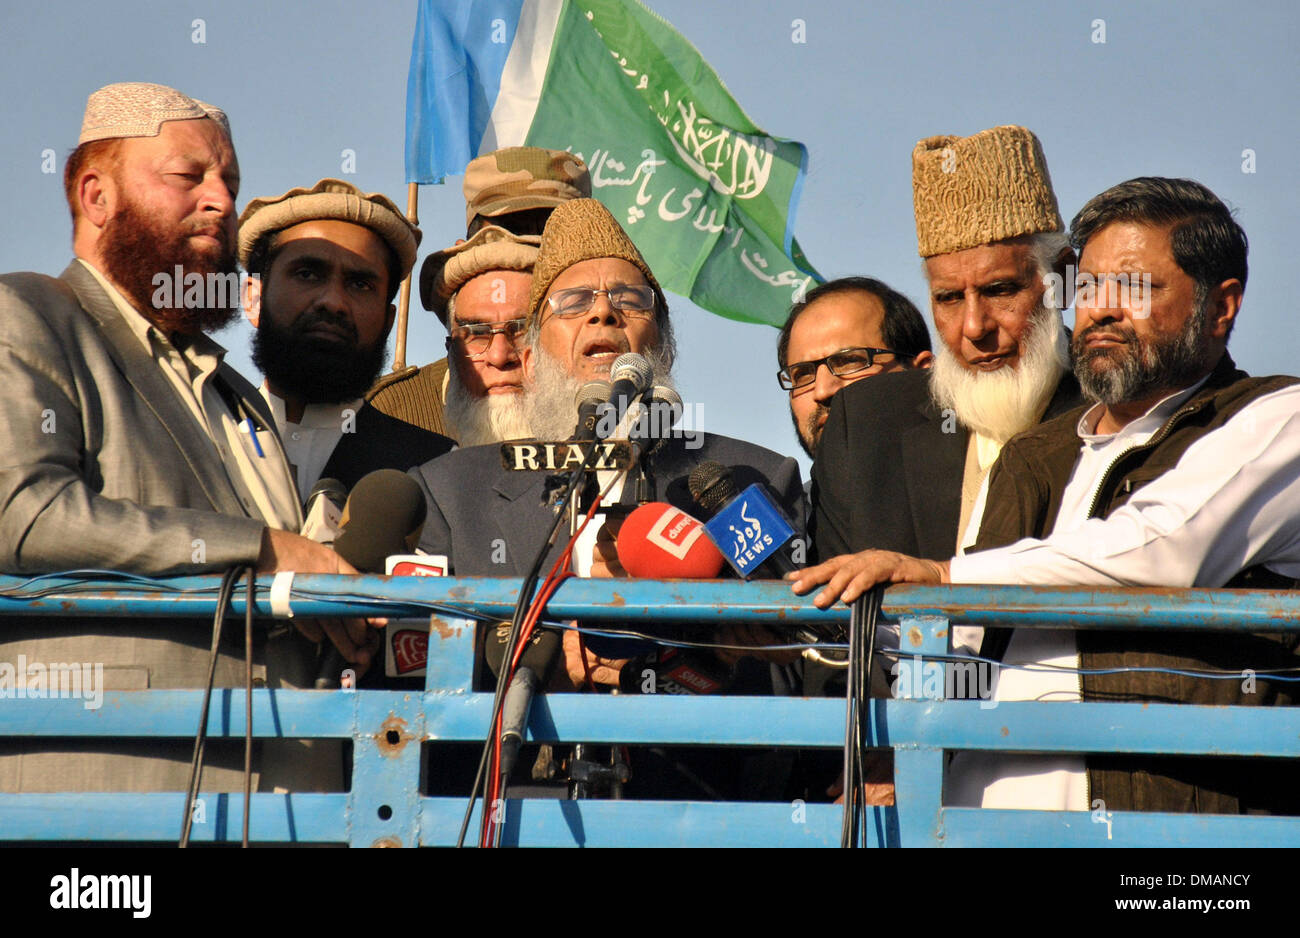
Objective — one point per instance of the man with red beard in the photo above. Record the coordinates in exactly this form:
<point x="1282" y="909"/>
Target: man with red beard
<point x="130" y="445"/>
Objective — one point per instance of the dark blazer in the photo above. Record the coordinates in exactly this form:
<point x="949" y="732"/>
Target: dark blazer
<point x="888" y="470"/>
<point x="382" y="442"/>
<point x="476" y="506"/>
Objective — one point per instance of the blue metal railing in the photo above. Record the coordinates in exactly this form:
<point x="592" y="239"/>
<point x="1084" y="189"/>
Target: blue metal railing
<point x="388" y="730"/>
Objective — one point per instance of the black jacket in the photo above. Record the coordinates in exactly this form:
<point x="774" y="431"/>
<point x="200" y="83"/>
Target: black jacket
<point x="889" y="467"/>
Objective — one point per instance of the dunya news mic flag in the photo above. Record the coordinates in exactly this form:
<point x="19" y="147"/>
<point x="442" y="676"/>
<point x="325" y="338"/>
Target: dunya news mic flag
<point x="707" y="196"/>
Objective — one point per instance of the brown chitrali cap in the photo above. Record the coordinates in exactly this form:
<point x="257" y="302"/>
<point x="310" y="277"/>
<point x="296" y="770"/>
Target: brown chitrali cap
<point x="519" y="178"/>
<point x="976" y="190"/>
<point x="139" y="109"/>
<point x="491" y="248"/>
<point x="329" y="199"/>
<point x="583" y="230"/>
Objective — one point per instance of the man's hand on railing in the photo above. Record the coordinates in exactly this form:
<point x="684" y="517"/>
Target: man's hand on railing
<point x="848" y="576"/>
<point x="356" y="639"/>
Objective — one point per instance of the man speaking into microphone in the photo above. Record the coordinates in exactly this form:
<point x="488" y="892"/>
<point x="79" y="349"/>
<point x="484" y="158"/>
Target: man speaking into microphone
<point x="593" y="300"/>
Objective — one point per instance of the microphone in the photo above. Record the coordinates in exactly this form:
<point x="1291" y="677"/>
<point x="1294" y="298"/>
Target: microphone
<point x="747" y="526"/>
<point x="749" y="529"/>
<point x="384" y="515"/>
<point x="660" y="542"/>
<point x="323" y="511"/>
<point x="589" y="399"/>
<point x="531" y="677"/>
<point x="631" y="374"/>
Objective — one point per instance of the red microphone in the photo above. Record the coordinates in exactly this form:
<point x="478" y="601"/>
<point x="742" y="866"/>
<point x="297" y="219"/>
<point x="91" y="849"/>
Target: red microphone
<point x="660" y="542"/>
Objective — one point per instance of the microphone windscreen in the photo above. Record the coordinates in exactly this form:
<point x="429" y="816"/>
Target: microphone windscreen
<point x="593" y="392"/>
<point x="658" y="541"/>
<point x="541" y="654"/>
<point x="712" y="486"/>
<point x="383" y="515"/>
<point x="633" y="368"/>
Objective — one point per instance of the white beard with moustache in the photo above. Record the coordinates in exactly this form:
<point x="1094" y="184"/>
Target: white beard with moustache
<point x="1005" y="402"/>
<point x="550" y="397"/>
<point x="491" y="418"/>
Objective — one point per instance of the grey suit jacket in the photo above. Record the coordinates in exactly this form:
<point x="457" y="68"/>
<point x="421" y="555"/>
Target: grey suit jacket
<point x="102" y="465"/>
<point x="491" y="522"/>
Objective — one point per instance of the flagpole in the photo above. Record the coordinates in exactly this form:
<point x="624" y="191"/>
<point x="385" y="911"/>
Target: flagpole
<point x="404" y="300"/>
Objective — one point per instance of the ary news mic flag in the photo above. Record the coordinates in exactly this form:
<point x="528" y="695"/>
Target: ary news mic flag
<point x="707" y="196"/>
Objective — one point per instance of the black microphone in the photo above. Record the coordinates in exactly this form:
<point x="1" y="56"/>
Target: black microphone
<point x="590" y="398"/>
<point x="384" y="515"/>
<point x="531" y="677"/>
<point x="631" y="375"/>
<point x="323" y="511"/>
<point x="713" y="486"/>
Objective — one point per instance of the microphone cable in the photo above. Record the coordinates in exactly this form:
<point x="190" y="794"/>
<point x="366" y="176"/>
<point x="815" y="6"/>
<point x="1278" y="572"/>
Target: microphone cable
<point x="492" y="827"/>
<point x="250" y="581"/>
<point x="862" y="640"/>
<point x="228" y="581"/>
<point x="516" y="621"/>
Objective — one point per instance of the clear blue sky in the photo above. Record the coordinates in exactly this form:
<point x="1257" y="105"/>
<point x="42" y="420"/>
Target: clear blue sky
<point x="1177" y="89"/>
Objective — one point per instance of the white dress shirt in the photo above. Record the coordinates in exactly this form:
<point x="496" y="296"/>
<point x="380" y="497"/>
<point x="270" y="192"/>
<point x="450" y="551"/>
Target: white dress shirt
<point x="1231" y="502"/>
<point x="310" y="442"/>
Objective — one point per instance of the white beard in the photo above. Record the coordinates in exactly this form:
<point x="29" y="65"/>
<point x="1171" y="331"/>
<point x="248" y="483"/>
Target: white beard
<point x="550" y="398"/>
<point x="491" y="418"/>
<point x="1002" y="403"/>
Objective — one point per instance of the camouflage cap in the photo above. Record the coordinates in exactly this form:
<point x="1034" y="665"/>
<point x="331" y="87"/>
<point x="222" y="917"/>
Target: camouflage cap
<point x="139" y="109"/>
<point x="329" y="199"/>
<point x="975" y="190"/>
<point x="519" y="178"/>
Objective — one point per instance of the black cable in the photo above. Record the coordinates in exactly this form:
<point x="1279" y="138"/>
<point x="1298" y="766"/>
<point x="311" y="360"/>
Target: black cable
<point x="863" y="621"/>
<point x="250" y="580"/>
<point x="227" y="589"/>
<point x="849" y="771"/>
<point x="521" y="606"/>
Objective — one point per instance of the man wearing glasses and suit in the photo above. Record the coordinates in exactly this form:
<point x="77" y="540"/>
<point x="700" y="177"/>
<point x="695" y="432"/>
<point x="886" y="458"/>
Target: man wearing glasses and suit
<point x="839" y="333"/>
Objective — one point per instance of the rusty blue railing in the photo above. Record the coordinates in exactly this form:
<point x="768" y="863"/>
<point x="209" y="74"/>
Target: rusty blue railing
<point x="389" y="730"/>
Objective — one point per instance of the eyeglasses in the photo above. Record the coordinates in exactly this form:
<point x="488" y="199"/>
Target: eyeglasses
<point x="477" y="336"/>
<point x="635" y="301"/>
<point x="845" y="362"/>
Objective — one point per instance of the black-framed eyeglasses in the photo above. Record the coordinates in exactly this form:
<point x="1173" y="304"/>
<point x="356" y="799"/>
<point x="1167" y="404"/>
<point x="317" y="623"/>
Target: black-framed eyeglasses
<point x="477" y="336"/>
<point x="637" y="301"/>
<point x="845" y="362"/>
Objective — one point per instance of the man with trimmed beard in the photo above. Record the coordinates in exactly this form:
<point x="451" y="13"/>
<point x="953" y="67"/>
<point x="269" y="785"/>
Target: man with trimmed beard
<point x="903" y="457"/>
<point x="1185" y="472"/>
<point x="839" y="333"/>
<point x="327" y="262"/>
<point x="130" y="445"/>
